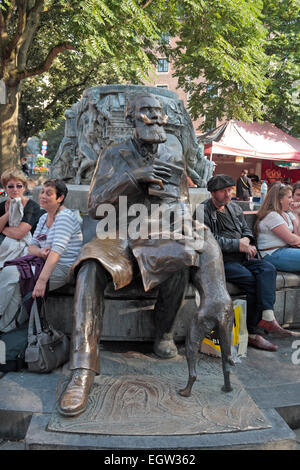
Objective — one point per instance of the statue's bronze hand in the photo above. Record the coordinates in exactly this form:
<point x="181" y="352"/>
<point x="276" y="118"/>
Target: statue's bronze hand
<point x="157" y="173"/>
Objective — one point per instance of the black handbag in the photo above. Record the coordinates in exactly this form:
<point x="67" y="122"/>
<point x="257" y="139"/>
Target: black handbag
<point x="47" y="348"/>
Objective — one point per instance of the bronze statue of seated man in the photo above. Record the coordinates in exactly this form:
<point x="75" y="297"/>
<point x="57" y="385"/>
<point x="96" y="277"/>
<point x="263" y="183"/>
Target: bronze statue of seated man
<point x="144" y="172"/>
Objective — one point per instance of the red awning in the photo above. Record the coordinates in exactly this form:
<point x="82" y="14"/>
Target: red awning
<point x="252" y="140"/>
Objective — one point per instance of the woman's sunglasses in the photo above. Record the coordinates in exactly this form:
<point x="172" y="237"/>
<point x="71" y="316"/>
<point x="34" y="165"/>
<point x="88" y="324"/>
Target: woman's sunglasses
<point x="18" y="186"/>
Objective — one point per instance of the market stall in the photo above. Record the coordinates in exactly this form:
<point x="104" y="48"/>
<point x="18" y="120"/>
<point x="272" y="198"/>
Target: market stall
<point x="263" y="149"/>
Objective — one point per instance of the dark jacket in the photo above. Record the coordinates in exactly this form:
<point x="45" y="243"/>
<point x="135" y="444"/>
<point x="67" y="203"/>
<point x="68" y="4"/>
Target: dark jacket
<point x="243" y="188"/>
<point x="227" y="245"/>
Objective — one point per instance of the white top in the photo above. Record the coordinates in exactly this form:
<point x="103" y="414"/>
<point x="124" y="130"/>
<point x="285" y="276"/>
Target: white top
<point x="266" y="238"/>
<point x="64" y="236"/>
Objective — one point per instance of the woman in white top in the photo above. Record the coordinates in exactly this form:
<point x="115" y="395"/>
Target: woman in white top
<point x="278" y="240"/>
<point x="57" y="240"/>
<point x="278" y="229"/>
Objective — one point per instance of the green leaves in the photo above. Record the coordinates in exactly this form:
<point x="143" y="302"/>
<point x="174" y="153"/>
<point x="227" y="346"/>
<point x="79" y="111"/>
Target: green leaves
<point x="221" y="46"/>
<point x="282" y="98"/>
<point x="236" y="58"/>
<point x="4" y="4"/>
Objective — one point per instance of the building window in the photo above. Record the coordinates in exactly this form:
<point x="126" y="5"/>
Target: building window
<point x="162" y="65"/>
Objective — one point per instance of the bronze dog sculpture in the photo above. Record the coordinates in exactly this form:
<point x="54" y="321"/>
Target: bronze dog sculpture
<point x="215" y="313"/>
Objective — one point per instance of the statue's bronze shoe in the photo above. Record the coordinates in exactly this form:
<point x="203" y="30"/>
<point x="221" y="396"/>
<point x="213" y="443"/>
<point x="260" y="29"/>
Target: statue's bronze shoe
<point x="74" y="399"/>
<point x="165" y="347"/>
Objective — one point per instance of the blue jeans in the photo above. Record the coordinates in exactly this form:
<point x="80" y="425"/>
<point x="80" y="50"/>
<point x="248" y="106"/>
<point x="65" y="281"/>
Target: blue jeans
<point x="285" y="259"/>
<point x="258" y="279"/>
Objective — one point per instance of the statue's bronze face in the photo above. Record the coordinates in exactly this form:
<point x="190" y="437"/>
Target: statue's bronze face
<point x="149" y="121"/>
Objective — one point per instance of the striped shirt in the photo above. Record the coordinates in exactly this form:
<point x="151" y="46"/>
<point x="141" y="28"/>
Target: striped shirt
<point x="64" y="236"/>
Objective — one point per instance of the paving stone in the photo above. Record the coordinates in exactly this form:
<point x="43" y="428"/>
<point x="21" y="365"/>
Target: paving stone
<point x="271" y="379"/>
<point x="12" y="445"/>
<point x="278" y="437"/>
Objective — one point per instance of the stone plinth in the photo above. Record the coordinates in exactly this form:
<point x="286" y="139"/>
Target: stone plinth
<point x="137" y="394"/>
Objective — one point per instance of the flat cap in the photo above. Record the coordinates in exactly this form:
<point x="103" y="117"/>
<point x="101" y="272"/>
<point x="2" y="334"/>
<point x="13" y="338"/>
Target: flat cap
<point x="219" y="182"/>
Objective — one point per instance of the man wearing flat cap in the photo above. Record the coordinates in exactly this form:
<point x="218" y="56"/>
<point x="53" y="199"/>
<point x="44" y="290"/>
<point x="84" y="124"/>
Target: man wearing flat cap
<point x="257" y="277"/>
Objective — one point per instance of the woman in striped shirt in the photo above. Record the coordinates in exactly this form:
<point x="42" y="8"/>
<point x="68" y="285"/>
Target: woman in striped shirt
<point x="57" y="239"/>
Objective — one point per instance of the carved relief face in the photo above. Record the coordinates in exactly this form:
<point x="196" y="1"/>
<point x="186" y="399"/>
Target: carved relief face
<point x="149" y="121"/>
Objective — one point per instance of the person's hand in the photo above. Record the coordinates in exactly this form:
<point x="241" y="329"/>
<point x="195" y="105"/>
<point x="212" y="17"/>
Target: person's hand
<point x="157" y="173"/>
<point x="7" y="203"/>
<point x="252" y="251"/>
<point x="44" y="252"/>
<point x="39" y="288"/>
<point x="244" y="244"/>
<point x="245" y="247"/>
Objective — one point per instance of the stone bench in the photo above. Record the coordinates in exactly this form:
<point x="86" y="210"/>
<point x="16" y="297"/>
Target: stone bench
<point x="129" y="318"/>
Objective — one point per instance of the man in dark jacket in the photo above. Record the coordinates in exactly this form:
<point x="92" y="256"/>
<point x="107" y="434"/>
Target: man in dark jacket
<point x="257" y="277"/>
<point x="244" y="187"/>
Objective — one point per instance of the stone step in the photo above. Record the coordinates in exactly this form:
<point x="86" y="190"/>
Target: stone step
<point x="269" y="382"/>
<point x="278" y="437"/>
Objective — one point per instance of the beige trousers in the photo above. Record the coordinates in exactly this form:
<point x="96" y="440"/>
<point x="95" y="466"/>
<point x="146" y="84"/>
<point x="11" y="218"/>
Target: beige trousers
<point x="10" y="297"/>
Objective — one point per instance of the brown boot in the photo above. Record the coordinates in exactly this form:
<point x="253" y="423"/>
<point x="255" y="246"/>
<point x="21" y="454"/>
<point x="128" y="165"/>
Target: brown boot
<point x="274" y="329"/>
<point x="261" y="343"/>
<point x="74" y="399"/>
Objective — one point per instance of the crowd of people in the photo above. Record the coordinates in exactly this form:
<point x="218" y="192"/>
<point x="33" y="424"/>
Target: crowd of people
<point x="48" y="236"/>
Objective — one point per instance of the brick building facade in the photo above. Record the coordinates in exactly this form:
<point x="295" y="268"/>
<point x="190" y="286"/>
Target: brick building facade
<point x="162" y="76"/>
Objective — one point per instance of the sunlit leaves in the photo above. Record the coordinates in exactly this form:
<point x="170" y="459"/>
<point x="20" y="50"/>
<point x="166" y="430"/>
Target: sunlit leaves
<point x="221" y="46"/>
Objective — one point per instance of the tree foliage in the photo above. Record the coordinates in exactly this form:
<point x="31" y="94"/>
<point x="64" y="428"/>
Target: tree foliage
<point x="115" y="35"/>
<point x="282" y="98"/>
<point x="219" y="59"/>
<point x="236" y="58"/>
<point x="240" y="59"/>
<point x="120" y="52"/>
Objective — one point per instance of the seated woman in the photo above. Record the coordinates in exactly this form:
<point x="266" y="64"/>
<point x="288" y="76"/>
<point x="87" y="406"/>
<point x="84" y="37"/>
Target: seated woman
<point x="295" y="205"/>
<point x="278" y="230"/>
<point x="57" y="240"/>
<point x="18" y="216"/>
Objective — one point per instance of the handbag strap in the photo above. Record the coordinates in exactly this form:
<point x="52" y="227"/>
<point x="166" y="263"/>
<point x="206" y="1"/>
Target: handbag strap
<point x="24" y="300"/>
<point x="34" y="326"/>
<point x="244" y="183"/>
<point x="41" y="303"/>
<point x="37" y="320"/>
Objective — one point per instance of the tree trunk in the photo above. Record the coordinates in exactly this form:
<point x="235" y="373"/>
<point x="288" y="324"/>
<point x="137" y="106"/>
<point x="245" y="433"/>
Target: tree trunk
<point x="9" y="148"/>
